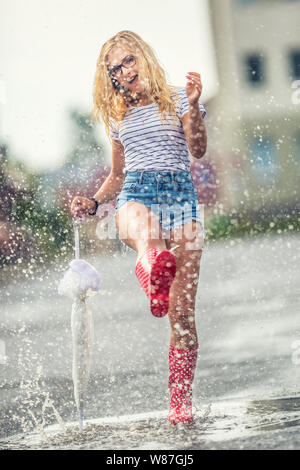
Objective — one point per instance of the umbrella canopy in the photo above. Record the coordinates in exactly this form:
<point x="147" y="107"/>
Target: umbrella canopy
<point x="80" y="281"/>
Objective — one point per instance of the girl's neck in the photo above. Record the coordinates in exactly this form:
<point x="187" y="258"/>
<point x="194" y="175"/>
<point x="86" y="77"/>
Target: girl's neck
<point x="140" y="100"/>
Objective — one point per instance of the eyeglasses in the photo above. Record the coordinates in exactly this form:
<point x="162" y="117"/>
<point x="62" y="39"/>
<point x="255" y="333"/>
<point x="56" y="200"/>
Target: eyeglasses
<point x="127" y="62"/>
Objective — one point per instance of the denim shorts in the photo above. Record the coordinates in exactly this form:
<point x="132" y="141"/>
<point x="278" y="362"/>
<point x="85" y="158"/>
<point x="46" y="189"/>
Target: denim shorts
<point x="171" y="195"/>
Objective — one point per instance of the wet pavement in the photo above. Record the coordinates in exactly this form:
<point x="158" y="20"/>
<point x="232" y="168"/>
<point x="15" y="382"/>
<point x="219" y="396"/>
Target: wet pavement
<point x="247" y="384"/>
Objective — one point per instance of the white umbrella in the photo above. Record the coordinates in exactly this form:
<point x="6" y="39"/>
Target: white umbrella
<point x="80" y="281"/>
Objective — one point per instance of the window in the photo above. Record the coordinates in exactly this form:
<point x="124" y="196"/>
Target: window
<point x="294" y="58"/>
<point x="263" y="153"/>
<point x="255" y="69"/>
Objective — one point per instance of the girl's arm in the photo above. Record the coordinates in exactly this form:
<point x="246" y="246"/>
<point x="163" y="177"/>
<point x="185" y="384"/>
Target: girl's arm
<point x="193" y="123"/>
<point x="109" y="189"/>
<point x="113" y="183"/>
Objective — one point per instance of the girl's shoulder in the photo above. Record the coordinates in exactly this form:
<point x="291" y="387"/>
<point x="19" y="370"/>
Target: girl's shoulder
<point x="181" y="101"/>
<point x="178" y="91"/>
<point x="178" y="94"/>
<point x="114" y="129"/>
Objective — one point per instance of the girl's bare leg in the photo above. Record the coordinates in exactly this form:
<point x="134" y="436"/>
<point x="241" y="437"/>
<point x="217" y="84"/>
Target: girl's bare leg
<point x="189" y="241"/>
<point x="139" y="228"/>
<point x="183" y="349"/>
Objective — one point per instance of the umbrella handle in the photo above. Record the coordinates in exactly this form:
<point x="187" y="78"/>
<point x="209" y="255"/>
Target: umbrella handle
<point x="76" y="237"/>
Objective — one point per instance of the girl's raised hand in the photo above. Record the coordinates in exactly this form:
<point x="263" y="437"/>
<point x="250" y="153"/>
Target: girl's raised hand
<point x="193" y="87"/>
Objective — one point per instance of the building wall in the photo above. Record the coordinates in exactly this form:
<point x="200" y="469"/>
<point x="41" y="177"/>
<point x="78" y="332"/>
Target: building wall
<point x="256" y="132"/>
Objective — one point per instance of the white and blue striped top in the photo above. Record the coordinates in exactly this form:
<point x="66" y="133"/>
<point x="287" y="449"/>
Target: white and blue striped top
<point x="149" y="144"/>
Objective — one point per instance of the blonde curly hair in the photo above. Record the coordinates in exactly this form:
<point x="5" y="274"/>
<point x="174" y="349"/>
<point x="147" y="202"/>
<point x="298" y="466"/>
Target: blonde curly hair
<point x="111" y="103"/>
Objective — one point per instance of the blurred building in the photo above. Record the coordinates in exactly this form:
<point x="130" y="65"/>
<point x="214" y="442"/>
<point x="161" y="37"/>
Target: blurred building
<point x="255" y="117"/>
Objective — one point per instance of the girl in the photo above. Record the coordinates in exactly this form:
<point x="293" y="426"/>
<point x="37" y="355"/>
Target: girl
<point x="153" y="127"/>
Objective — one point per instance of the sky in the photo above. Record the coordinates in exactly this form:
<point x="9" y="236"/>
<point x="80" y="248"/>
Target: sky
<point x="48" y="63"/>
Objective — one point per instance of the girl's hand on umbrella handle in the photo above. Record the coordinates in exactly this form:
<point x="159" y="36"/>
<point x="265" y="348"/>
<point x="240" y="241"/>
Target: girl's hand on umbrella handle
<point x="81" y="206"/>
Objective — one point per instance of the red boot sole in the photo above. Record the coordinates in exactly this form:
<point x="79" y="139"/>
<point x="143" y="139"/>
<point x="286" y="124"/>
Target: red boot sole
<point x="178" y="419"/>
<point x="161" y="277"/>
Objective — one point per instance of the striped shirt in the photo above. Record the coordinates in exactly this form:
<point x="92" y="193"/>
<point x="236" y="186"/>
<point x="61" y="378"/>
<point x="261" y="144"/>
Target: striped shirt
<point x="149" y="144"/>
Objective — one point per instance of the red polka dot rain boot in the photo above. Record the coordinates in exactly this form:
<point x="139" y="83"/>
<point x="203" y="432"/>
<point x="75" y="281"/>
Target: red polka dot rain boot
<point x="155" y="271"/>
<point x="182" y="365"/>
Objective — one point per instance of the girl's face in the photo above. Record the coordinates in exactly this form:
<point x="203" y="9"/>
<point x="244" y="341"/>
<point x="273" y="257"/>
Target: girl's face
<point x="124" y="68"/>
